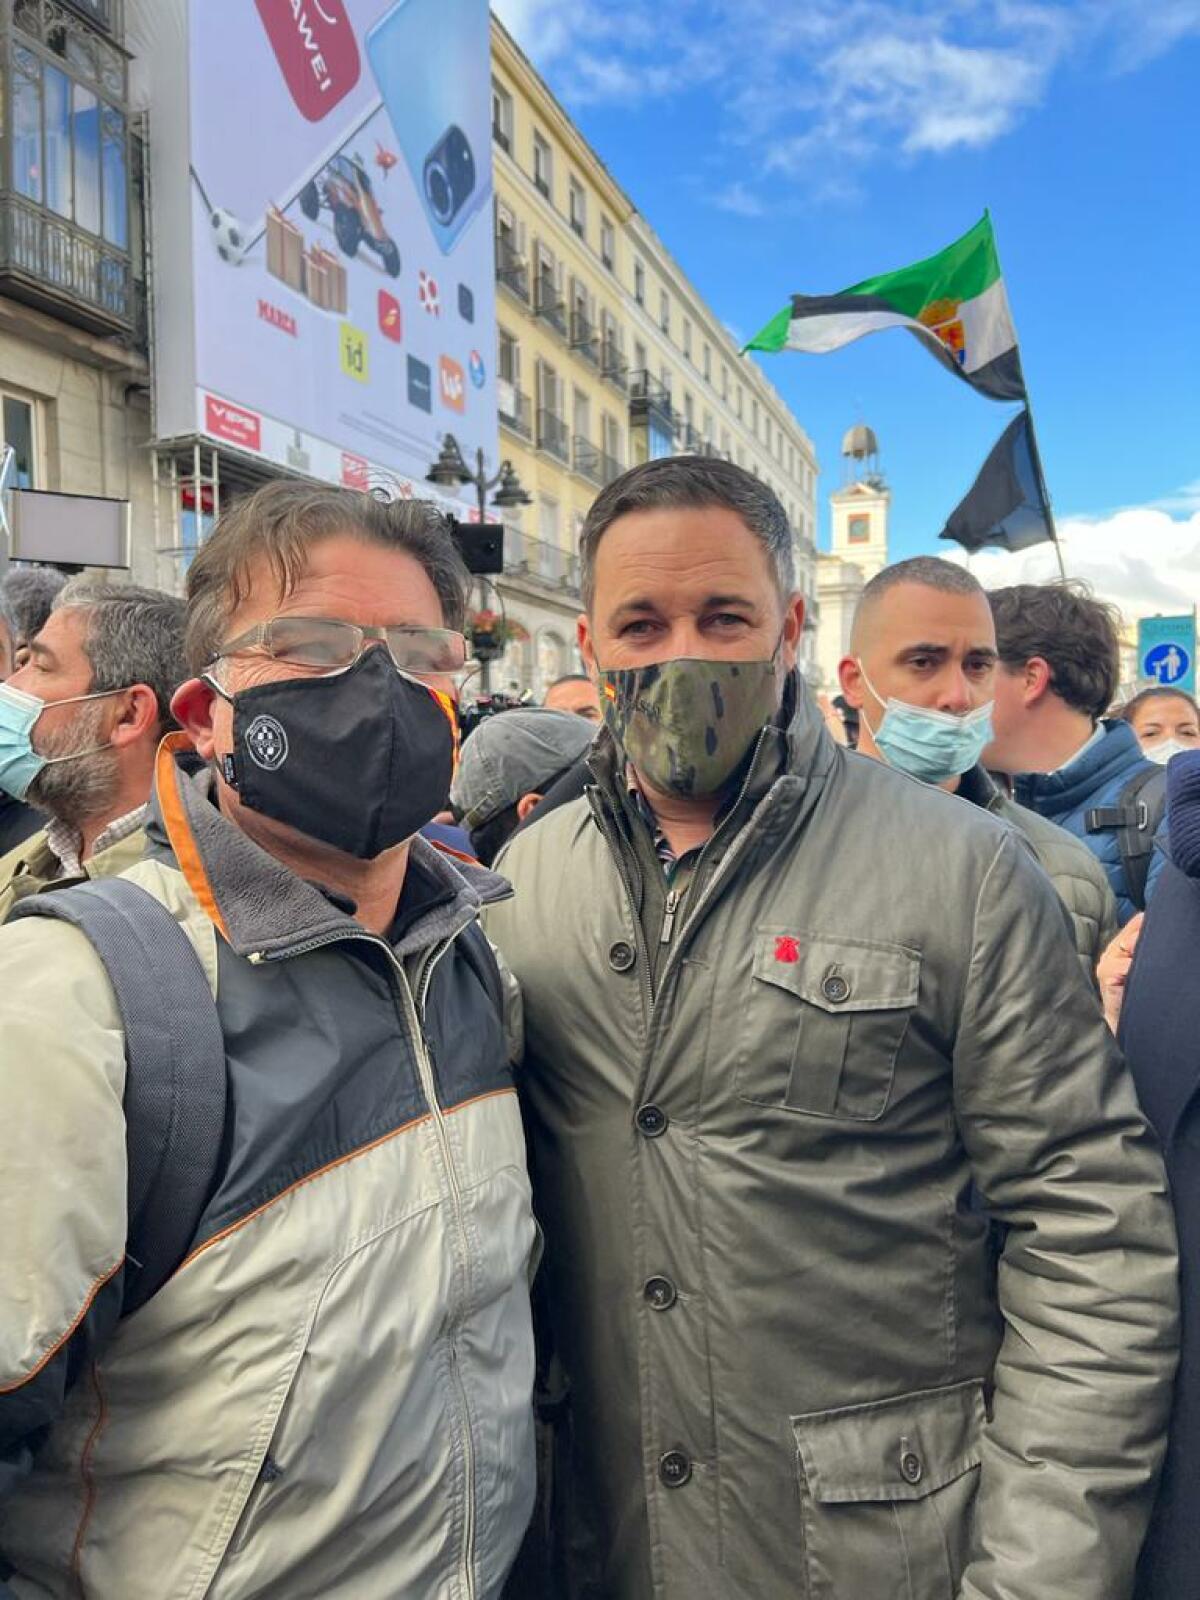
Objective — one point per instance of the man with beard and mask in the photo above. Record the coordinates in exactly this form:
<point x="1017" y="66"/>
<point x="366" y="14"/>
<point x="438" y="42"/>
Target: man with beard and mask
<point x="785" y="1011"/>
<point x="920" y="673"/>
<point x="330" y="1396"/>
<point x="26" y="596"/>
<point x="79" y="726"/>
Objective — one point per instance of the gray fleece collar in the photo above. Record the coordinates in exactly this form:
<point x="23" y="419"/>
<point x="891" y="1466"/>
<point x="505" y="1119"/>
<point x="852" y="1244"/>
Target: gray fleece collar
<point x="268" y="910"/>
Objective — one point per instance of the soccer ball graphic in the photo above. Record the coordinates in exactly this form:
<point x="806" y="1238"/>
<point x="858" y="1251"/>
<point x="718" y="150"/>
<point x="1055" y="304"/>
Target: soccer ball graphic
<point x="229" y="236"/>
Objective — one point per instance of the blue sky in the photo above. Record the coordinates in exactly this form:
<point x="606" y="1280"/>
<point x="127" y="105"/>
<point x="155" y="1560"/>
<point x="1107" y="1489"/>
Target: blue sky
<point x="799" y="145"/>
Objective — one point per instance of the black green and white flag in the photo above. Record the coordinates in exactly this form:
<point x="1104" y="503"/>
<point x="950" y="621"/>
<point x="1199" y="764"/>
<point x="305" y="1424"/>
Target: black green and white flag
<point x="954" y="302"/>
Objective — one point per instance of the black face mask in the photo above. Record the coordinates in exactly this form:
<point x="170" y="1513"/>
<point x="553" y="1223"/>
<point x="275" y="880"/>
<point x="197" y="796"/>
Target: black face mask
<point x="360" y="760"/>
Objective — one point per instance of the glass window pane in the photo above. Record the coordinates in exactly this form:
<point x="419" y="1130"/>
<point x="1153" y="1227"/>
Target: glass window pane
<point x="18" y="432"/>
<point x="27" y="125"/>
<point x="86" y="121"/>
<point x="58" y="141"/>
<point x="116" y="199"/>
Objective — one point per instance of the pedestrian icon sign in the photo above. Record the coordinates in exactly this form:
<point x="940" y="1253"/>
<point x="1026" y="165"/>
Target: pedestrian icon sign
<point x="1167" y="652"/>
<point x="1166" y="664"/>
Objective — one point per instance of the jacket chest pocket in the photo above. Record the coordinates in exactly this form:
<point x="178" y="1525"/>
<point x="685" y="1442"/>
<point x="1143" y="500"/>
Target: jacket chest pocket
<point x="824" y="1022"/>
<point x="887" y="1495"/>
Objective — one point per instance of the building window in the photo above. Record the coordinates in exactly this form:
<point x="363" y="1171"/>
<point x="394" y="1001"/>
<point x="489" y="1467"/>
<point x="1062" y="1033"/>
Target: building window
<point x="725" y="384"/>
<point x="612" y="439"/>
<point x="708" y="363"/>
<point x="858" y="530"/>
<point x="508" y="362"/>
<point x="578" y="208"/>
<point x="687" y="338"/>
<point x="548" y="519"/>
<point x="639" y="283"/>
<point x="664" y="311"/>
<point x="543" y="165"/>
<point x="689" y="410"/>
<point x="21" y="429"/>
<point x="739" y="402"/>
<point x="502" y="116"/>
<point x="608" y="244"/>
<point x="639" y="356"/>
<point x="69" y="148"/>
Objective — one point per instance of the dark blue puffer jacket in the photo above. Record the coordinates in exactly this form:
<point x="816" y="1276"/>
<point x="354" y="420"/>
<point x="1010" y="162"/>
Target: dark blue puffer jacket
<point x="1097" y="778"/>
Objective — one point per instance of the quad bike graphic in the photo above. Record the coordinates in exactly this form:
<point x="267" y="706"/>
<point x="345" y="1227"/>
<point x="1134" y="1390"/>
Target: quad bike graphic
<point x="344" y="188"/>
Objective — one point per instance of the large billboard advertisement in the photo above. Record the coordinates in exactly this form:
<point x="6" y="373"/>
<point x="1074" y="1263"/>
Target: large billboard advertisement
<point x="339" y="313"/>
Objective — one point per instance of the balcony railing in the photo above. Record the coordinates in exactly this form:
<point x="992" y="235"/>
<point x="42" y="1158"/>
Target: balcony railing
<point x="649" y="397"/>
<point x="548" y="306"/>
<point x="614" y="366"/>
<point x="587" y="460"/>
<point x="534" y="558"/>
<point x="516" y="413"/>
<point x="512" y="272"/>
<point x="584" y="337"/>
<point x="610" y="468"/>
<point x="690" y="442"/>
<point x="45" y="258"/>
<point x="552" y="435"/>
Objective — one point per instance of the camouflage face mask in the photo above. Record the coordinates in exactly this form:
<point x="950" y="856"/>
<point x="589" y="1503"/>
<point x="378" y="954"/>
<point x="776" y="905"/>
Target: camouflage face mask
<point x="686" y="725"/>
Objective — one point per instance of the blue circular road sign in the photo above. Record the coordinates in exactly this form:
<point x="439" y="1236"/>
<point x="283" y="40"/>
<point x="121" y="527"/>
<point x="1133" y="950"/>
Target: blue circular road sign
<point x="1166" y="663"/>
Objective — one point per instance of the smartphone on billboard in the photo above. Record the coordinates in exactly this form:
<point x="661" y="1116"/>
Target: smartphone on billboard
<point x="432" y="71"/>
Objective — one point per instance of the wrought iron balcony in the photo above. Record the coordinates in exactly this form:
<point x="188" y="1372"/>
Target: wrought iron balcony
<point x="614" y="366"/>
<point x="48" y="261"/>
<point x="552" y="435"/>
<point x="587" y="460"/>
<point x="516" y="413"/>
<point x="547" y="563"/>
<point x="649" y="398"/>
<point x="584" y="337"/>
<point x="512" y="271"/>
<point x="548" y="305"/>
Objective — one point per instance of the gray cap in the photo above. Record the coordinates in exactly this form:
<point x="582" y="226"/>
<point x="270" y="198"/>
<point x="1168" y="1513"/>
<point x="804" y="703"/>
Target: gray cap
<point x="512" y="754"/>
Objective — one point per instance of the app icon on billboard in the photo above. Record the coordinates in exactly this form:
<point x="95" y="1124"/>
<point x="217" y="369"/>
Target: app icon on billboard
<point x="315" y="47"/>
<point x="391" y="323"/>
<point x="466" y="303"/>
<point x="452" y="384"/>
<point x="226" y="421"/>
<point x="420" y="385"/>
<point x="477" y="369"/>
<point x="427" y="294"/>
<point x="355" y="363"/>
<point x="355" y="472"/>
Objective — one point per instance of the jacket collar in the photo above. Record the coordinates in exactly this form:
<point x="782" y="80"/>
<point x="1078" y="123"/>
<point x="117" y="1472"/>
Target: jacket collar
<point x="977" y="787"/>
<point x="796" y="743"/>
<point x="1108" y="760"/>
<point x="258" y="905"/>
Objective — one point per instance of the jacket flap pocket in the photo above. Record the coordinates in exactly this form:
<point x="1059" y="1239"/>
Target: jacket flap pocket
<point x="899" y="1449"/>
<point x="838" y="974"/>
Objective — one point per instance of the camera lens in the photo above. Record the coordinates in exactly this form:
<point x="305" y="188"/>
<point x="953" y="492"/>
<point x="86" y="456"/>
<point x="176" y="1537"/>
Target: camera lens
<point x="437" y="190"/>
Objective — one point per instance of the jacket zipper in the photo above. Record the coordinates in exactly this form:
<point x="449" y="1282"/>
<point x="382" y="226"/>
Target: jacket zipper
<point x="668" y="922"/>
<point x="413" y="1012"/>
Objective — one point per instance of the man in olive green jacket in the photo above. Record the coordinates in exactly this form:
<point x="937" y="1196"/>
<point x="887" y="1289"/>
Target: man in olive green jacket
<point x="783" y="1006"/>
<point x="921" y="674"/>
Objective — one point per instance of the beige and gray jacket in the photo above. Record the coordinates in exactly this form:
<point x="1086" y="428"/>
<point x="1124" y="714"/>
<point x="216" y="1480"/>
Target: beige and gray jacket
<point x="330" y="1399"/>
<point x="757" y="1119"/>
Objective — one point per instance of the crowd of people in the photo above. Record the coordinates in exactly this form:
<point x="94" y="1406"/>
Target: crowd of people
<point x="684" y="1141"/>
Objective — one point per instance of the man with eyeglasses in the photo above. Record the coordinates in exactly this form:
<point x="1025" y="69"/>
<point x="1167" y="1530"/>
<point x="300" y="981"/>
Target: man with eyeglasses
<point x="330" y="1394"/>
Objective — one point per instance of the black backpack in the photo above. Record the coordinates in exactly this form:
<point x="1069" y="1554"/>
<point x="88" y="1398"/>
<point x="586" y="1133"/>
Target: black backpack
<point x="1136" y="817"/>
<point x="175" y="1068"/>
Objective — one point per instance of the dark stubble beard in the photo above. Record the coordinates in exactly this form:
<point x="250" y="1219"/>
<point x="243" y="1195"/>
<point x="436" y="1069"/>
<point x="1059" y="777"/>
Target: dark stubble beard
<point x="76" y="791"/>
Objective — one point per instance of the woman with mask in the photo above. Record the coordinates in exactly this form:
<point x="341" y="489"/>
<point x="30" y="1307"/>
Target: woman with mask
<point x="1166" y="721"/>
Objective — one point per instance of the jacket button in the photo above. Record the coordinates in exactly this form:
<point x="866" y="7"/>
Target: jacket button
<point x="835" y="988"/>
<point x="651" y="1120"/>
<point x="674" y="1469"/>
<point x="659" y="1293"/>
<point x="911" y="1469"/>
<point x="621" y="957"/>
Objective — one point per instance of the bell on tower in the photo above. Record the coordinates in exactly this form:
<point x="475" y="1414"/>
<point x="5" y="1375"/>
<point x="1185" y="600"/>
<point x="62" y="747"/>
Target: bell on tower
<point x="860" y="455"/>
<point x="860" y="507"/>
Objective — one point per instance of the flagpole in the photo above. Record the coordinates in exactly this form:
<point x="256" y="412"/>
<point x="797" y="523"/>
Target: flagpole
<point x="1045" y="493"/>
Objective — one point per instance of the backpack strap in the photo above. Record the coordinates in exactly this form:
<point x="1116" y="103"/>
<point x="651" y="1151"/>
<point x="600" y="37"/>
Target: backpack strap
<point x="1135" y="818"/>
<point x="175" y="1067"/>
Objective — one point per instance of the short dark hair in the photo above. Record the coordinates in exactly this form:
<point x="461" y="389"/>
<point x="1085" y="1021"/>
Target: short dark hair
<point x="690" y="482"/>
<point x="26" y="600"/>
<point x="1157" y="692"/>
<point x="282" y="521"/>
<point x="931" y="572"/>
<point x="1073" y="632"/>
<point x="131" y="635"/>
<point x="568" y="677"/>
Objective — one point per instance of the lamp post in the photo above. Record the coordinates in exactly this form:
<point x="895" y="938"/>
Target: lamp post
<point x="450" y="470"/>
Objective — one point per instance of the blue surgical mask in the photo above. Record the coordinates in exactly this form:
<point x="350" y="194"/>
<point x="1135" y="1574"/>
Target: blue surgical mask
<point x="930" y="745"/>
<point x="20" y="763"/>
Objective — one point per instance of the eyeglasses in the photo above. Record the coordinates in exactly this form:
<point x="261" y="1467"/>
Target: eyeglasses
<point x="331" y="645"/>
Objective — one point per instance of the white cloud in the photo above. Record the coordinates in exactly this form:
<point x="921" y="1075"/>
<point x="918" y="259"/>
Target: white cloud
<point x="738" y="199"/>
<point x="1141" y="558"/>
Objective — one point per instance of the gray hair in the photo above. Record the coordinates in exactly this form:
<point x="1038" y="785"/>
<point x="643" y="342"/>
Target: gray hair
<point x="132" y="635"/>
<point x="688" y="483"/>
<point x="26" y="599"/>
